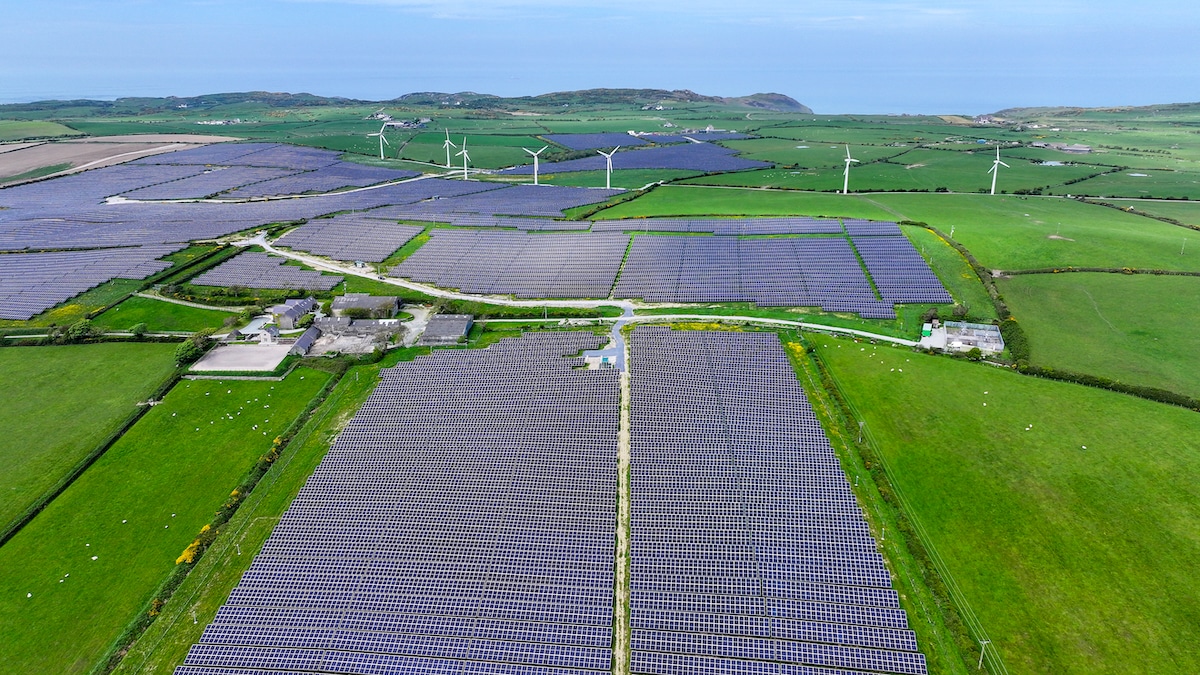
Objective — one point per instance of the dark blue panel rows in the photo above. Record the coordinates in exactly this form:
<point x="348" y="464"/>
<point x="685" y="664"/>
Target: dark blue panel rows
<point x="749" y="553"/>
<point x="463" y="522"/>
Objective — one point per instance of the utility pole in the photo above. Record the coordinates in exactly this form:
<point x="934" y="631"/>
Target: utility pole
<point x="982" y="648"/>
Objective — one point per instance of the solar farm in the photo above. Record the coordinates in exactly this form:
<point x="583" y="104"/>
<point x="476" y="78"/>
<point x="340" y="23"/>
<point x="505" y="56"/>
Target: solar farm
<point x="686" y="426"/>
<point x="462" y="522"/>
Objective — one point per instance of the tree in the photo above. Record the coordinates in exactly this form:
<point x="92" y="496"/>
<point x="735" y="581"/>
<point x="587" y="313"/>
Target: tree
<point x="139" y="329"/>
<point x="193" y="347"/>
<point x="960" y="311"/>
<point x="929" y="315"/>
<point x="187" y="352"/>
<point x="80" y="331"/>
<point x="974" y="354"/>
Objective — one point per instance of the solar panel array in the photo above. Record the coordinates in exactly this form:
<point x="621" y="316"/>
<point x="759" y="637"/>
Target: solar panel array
<point x="723" y="226"/>
<point x="594" y="141"/>
<point x="507" y="222"/>
<point x="259" y="270"/>
<point x="749" y="553"/>
<point x="516" y="200"/>
<point x="790" y="272"/>
<point x="324" y="179"/>
<point x="350" y="237"/>
<point x="463" y="522"/>
<point x="209" y="183"/>
<point x="900" y="273"/>
<point x="704" y="157"/>
<point x="871" y="228"/>
<point x="31" y="283"/>
<point x="516" y="263"/>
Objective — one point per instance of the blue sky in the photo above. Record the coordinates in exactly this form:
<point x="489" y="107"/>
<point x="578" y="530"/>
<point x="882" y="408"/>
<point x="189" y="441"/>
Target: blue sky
<point x="942" y="56"/>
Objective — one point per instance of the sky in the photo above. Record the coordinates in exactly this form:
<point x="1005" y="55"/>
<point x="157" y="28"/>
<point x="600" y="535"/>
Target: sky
<point x="847" y="56"/>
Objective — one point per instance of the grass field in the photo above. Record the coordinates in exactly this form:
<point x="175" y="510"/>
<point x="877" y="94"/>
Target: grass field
<point x="160" y="316"/>
<point x="1142" y="183"/>
<point x="15" y="130"/>
<point x="36" y="173"/>
<point x="918" y="169"/>
<point x="1014" y="233"/>
<point x="166" y="642"/>
<point x="62" y="402"/>
<point x="671" y="200"/>
<point x="135" y="510"/>
<point x="1187" y="213"/>
<point x="1138" y="329"/>
<point x="1075" y="560"/>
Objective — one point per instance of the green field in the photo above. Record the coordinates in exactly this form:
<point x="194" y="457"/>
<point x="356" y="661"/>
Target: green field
<point x="918" y="169"/>
<point x="1016" y="233"/>
<point x="160" y="316"/>
<point x="1137" y="329"/>
<point x="1075" y="560"/>
<point x="1187" y="213"/>
<point x="135" y="510"/>
<point x="17" y="130"/>
<point x="61" y="403"/>
<point x="166" y="642"/>
<point x="671" y="200"/>
<point x="1145" y="183"/>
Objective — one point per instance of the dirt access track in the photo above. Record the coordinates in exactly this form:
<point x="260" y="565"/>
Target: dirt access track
<point x="93" y="153"/>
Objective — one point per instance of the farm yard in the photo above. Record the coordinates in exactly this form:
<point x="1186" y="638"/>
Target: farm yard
<point x="1059" y="515"/>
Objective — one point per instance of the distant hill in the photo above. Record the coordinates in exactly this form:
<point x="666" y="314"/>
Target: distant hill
<point x="120" y="106"/>
<point x="1075" y="111"/>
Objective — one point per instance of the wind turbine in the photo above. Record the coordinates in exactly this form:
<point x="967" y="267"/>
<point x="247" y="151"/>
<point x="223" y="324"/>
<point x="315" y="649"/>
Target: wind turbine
<point x="447" y="145"/>
<point x="608" y="166"/>
<point x="846" y="174"/>
<point x="382" y="140"/>
<point x="535" y="161"/>
<point x="995" y="170"/>
<point x="466" y="157"/>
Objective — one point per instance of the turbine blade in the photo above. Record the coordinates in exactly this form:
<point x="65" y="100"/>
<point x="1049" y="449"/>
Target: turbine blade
<point x="1005" y="165"/>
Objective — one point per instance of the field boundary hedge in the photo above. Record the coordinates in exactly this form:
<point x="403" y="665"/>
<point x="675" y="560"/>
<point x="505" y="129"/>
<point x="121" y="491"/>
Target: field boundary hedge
<point x="17" y="524"/>
<point x="1105" y="270"/>
<point x="1138" y="212"/>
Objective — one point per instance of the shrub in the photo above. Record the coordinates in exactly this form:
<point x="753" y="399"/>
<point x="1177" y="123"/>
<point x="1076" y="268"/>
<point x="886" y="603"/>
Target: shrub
<point x="139" y="330"/>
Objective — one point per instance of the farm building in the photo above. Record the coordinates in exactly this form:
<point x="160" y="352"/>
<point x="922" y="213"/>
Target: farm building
<point x="305" y="341"/>
<point x="375" y="306"/>
<point x="447" y="329"/>
<point x="958" y="336"/>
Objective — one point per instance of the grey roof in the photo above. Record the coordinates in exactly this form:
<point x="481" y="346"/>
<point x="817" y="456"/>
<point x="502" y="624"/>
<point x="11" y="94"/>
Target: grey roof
<point x="447" y="327"/>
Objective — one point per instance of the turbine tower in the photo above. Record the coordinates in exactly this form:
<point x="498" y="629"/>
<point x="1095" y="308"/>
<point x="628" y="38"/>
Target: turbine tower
<point x="466" y="157"/>
<point x="535" y="161"/>
<point x="608" y="166"/>
<point x="995" y="170"/>
<point x="447" y="145"/>
<point x="382" y="140"/>
<point x="846" y="174"/>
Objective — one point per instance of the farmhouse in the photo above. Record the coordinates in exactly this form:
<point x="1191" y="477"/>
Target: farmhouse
<point x="958" y="336"/>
